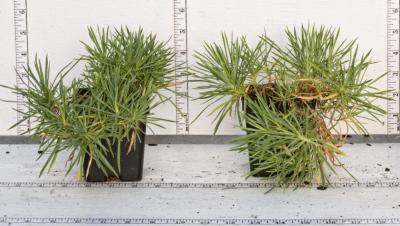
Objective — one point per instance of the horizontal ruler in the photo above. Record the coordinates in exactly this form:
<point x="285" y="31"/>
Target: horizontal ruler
<point x="71" y="220"/>
<point x="372" y="184"/>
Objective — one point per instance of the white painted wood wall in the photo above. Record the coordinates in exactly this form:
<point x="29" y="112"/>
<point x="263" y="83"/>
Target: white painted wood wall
<point x="56" y="26"/>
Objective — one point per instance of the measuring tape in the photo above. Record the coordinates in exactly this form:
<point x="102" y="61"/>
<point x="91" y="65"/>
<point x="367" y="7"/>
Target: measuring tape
<point x="345" y="184"/>
<point x="393" y="63"/>
<point x="22" y="59"/>
<point x="181" y="73"/>
<point x="188" y="221"/>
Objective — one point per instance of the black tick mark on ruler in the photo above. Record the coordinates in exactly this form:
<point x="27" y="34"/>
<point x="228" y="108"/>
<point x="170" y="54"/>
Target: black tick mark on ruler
<point x="153" y="144"/>
<point x="7" y="152"/>
<point x="387" y="169"/>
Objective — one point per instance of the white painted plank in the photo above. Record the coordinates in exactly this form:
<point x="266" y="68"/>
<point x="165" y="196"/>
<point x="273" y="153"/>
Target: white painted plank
<point x="202" y="163"/>
<point x="200" y="203"/>
<point x="7" y="63"/>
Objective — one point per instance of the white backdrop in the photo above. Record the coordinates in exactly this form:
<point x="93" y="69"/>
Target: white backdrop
<point x="56" y="26"/>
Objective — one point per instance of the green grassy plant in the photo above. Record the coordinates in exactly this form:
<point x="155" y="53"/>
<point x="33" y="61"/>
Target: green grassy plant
<point x="124" y="73"/>
<point x="294" y="99"/>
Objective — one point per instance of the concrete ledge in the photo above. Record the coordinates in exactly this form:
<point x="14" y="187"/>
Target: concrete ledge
<point x="206" y="139"/>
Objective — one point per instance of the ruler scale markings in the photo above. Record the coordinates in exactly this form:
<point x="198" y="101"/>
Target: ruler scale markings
<point x="198" y="221"/>
<point x="345" y="184"/>
<point x="21" y="55"/>
<point x="393" y="61"/>
<point x="181" y="60"/>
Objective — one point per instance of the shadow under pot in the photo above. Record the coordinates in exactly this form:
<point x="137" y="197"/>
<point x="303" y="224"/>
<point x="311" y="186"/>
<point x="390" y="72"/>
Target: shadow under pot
<point x="131" y="161"/>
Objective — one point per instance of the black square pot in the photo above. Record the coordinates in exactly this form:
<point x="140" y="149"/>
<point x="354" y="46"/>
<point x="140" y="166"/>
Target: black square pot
<point x="131" y="162"/>
<point x="248" y="111"/>
<point x="253" y="164"/>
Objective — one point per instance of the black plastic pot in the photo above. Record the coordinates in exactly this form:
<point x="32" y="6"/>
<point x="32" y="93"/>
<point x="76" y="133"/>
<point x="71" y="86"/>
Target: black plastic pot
<point x="131" y="162"/>
<point x="253" y="164"/>
<point x="248" y="111"/>
<point x="270" y="100"/>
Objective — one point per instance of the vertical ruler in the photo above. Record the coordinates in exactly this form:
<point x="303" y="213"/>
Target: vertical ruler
<point x="393" y="63"/>
<point x="181" y="60"/>
<point x="21" y="55"/>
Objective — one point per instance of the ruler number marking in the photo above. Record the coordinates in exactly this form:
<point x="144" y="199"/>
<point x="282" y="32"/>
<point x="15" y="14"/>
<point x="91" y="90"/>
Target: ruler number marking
<point x="21" y="58"/>
<point x="393" y="64"/>
<point x="338" y="184"/>
<point x="181" y="60"/>
<point x="200" y="221"/>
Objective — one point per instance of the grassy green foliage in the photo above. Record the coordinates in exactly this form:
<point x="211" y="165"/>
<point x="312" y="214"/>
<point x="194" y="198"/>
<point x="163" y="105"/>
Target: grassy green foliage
<point x="124" y="72"/>
<point x="225" y="72"/>
<point x="335" y="69"/>
<point x="294" y="99"/>
<point x="289" y="144"/>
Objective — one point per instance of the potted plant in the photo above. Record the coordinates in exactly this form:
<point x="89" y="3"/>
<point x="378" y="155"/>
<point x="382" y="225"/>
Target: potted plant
<point x="290" y="101"/>
<point x="100" y="118"/>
